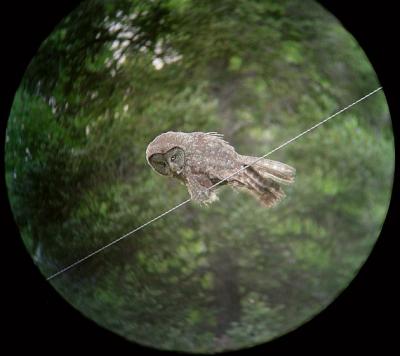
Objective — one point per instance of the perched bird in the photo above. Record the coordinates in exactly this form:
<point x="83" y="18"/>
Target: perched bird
<point x="201" y="160"/>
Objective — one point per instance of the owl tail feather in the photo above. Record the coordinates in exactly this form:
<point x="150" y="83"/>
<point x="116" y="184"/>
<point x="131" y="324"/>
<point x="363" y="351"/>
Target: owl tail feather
<point x="262" y="179"/>
<point x="277" y="171"/>
<point x="266" y="190"/>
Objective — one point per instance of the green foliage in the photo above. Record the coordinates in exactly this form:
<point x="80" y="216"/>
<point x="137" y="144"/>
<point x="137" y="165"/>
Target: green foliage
<point x="115" y="74"/>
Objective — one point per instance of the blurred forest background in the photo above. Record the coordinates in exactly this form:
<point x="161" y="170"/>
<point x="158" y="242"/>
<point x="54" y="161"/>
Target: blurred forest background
<point x="112" y="76"/>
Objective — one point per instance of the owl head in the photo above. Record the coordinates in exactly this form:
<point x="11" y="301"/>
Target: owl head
<point x="166" y="153"/>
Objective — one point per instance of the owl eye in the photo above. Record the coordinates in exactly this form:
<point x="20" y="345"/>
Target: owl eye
<point x="173" y="158"/>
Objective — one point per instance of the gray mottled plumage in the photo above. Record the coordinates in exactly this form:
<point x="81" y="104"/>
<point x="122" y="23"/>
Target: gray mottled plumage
<point x="200" y="160"/>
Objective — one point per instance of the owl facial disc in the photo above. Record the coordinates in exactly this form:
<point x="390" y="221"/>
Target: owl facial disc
<point x="175" y="159"/>
<point x="170" y="163"/>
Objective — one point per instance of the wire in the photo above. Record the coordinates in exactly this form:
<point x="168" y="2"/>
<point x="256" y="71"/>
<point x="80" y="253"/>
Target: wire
<point x="213" y="186"/>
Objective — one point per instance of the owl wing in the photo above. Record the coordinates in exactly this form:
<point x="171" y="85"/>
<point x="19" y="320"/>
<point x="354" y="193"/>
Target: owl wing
<point x="219" y="139"/>
<point x="218" y="158"/>
<point x="215" y="134"/>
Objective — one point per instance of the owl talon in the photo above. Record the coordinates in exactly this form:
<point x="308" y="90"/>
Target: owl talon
<point x="205" y="198"/>
<point x="201" y="197"/>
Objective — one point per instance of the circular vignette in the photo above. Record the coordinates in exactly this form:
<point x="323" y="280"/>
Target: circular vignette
<point x="283" y="156"/>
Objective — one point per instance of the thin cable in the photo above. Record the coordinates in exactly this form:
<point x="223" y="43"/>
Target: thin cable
<point x="298" y="136"/>
<point x="213" y="186"/>
<point x="117" y="240"/>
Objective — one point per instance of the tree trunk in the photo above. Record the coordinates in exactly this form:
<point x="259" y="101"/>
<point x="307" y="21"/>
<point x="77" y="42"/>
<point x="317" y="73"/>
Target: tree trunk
<point x="226" y="289"/>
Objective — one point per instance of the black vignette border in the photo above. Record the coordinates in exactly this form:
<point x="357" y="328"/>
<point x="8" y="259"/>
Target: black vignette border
<point x="36" y="315"/>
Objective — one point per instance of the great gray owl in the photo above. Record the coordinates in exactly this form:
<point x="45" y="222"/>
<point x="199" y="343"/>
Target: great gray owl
<point x="200" y="160"/>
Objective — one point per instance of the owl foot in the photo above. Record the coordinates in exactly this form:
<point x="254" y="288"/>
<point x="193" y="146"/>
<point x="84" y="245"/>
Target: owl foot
<point x="205" y="197"/>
